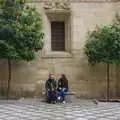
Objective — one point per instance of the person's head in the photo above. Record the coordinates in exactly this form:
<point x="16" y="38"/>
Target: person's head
<point x="63" y="76"/>
<point x="51" y="76"/>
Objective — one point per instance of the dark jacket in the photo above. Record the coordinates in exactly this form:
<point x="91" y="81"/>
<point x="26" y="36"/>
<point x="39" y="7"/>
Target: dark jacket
<point x="50" y="85"/>
<point x="63" y="83"/>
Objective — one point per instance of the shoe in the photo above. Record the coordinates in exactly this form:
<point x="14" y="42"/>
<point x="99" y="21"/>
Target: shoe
<point x="59" y="98"/>
<point x="53" y="102"/>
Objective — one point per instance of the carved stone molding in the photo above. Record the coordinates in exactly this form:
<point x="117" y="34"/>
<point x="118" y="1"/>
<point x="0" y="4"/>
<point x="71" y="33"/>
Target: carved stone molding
<point x="57" y="4"/>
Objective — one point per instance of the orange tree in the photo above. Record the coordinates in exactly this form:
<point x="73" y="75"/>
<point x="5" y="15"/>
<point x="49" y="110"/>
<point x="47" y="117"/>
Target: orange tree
<point x="103" y="46"/>
<point x="20" y="32"/>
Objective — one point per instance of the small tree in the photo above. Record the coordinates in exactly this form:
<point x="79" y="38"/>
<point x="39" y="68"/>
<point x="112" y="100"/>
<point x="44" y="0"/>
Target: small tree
<point x="103" y="46"/>
<point x="20" y="32"/>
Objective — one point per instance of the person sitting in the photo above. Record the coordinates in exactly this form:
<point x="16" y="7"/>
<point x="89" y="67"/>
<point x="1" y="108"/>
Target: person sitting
<point x="62" y="86"/>
<point x="50" y="87"/>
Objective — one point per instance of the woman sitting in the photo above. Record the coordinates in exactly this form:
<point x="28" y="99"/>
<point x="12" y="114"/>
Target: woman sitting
<point x="62" y="86"/>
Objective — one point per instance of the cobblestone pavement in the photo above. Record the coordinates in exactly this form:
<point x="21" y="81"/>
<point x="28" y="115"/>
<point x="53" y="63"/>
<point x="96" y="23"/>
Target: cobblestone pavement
<point x="78" y="110"/>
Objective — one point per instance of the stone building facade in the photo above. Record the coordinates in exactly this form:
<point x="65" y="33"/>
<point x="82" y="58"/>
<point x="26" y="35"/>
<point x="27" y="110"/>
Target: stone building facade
<point x="78" y="17"/>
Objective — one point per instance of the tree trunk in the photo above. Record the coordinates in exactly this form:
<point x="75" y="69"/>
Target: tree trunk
<point x="108" y="81"/>
<point x="9" y="78"/>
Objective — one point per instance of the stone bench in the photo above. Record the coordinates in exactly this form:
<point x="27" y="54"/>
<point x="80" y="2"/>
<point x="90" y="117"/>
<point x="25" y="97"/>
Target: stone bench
<point x="70" y="96"/>
<point x="69" y="93"/>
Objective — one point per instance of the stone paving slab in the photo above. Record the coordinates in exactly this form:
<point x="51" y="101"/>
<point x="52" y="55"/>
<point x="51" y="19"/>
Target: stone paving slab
<point x="78" y="110"/>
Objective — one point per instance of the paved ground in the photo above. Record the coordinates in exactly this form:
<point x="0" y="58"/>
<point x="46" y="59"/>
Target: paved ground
<point x="78" y="110"/>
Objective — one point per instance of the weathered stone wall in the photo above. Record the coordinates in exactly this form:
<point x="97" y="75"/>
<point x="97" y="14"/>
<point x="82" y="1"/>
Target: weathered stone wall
<point x="86" y="81"/>
<point x="117" y="9"/>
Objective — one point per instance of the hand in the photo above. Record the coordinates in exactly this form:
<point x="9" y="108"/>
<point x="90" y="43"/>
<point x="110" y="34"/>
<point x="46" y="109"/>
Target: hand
<point x="48" y="90"/>
<point x="52" y="89"/>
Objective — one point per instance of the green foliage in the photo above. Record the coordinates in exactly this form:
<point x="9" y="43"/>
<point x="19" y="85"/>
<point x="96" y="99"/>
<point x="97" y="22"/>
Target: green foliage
<point x="20" y="30"/>
<point x="103" y="44"/>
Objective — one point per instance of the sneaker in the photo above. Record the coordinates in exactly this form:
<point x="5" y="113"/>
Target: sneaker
<point x="59" y="98"/>
<point x="64" y="102"/>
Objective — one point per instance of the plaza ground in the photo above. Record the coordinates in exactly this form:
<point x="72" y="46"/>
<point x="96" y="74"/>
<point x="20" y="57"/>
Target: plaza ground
<point x="77" y="110"/>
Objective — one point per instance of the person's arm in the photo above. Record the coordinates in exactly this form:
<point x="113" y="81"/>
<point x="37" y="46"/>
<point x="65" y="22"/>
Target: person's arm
<point x="59" y="82"/>
<point x="47" y="86"/>
<point x="66" y="83"/>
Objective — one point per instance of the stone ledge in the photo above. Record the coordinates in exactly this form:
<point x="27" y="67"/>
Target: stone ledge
<point x="57" y="55"/>
<point x="94" y="0"/>
<point x="70" y="93"/>
<point x="79" y="1"/>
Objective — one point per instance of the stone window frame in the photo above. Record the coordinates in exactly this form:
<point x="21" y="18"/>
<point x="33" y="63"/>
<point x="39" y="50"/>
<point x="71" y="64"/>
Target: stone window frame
<point x="50" y="16"/>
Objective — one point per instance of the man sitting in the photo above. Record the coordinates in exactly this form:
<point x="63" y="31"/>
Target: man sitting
<point x="50" y="87"/>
